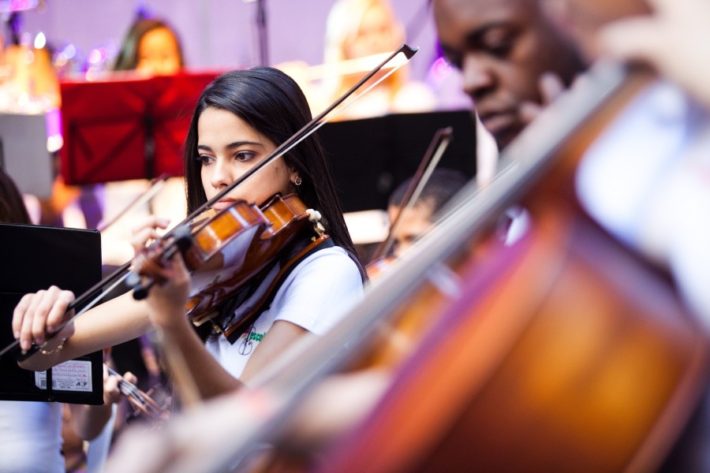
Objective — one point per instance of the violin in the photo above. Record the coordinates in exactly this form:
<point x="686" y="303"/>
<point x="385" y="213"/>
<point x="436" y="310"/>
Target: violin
<point x="229" y="248"/>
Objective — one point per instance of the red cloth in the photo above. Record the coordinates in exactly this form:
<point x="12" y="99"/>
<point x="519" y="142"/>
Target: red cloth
<point x="104" y="126"/>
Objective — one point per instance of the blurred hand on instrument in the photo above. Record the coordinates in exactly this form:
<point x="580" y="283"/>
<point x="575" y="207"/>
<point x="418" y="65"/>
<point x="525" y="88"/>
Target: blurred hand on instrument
<point x="550" y="87"/>
<point x="166" y="299"/>
<point x="112" y="392"/>
<point x="675" y="40"/>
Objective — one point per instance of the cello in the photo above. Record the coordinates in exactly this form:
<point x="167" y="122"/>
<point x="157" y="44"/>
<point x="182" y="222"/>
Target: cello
<point x="564" y="353"/>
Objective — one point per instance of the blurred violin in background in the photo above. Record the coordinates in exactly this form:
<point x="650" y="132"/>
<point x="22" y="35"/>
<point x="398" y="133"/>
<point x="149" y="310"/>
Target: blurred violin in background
<point x="142" y="402"/>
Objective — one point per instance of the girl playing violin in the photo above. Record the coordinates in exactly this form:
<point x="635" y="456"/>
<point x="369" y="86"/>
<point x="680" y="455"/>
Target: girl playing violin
<point x="239" y="119"/>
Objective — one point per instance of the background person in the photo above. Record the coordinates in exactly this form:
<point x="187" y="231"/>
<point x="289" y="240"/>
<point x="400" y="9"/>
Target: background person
<point x="362" y="28"/>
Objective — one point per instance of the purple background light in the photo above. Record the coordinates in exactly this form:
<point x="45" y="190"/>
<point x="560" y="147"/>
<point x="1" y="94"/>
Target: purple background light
<point x="217" y="34"/>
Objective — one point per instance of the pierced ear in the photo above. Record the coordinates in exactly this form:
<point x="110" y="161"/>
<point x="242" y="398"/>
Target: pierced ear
<point x="294" y="177"/>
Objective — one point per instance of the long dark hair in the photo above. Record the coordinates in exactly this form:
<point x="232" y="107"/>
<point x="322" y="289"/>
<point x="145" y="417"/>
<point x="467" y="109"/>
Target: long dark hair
<point x="12" y="207"/>
<point x="127" y="58"/>
<point x="273" y="104"/>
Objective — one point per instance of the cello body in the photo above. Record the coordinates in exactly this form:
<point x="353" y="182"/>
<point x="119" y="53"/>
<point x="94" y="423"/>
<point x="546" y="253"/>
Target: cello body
<point x="564" y="352"/>
<point x="597" y="372"/>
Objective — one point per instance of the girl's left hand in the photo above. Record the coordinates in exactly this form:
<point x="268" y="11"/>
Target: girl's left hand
<point x="166" y="300"/>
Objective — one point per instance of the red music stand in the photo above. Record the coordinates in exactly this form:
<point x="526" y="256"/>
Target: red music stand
<point x="130" y="128"/>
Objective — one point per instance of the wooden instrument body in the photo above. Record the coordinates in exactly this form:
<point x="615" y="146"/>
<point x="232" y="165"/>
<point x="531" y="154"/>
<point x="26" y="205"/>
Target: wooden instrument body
<point x="235" y="246"/>
<point x="563" y="352"/>
<point x="598" y="371"/>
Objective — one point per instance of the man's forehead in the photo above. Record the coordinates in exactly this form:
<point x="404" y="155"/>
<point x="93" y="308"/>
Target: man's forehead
<point x="482" y="7"/>
<point x="474" y="13"/>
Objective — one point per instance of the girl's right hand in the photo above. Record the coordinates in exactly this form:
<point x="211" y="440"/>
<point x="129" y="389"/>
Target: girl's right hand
<point x="40" y="315"/>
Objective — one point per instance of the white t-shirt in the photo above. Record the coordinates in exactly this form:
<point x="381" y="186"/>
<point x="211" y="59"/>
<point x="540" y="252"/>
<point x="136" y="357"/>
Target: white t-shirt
<point x="31" y="437"/>
<point x="314" y="296"/>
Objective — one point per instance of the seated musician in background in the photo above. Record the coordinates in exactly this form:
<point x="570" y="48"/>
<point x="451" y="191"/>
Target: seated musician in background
<point x="28" y="82"/>
<point x="419" y="218"/>
<point x="362" y="28"/>
<point x="150" y="47"/>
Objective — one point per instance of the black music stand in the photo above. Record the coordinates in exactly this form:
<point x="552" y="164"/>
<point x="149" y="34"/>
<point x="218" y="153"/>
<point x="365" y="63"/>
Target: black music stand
<point x="34" y="258"/>
<point x="370" y="157"/>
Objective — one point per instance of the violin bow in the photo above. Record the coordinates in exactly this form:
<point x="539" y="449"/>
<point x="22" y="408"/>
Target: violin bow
<point x="96" y="293"/>
<point x="426" y="167"/>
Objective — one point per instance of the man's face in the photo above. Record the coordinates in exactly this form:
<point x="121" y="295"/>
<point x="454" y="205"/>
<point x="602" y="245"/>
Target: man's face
<point x="502" y="48"/>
